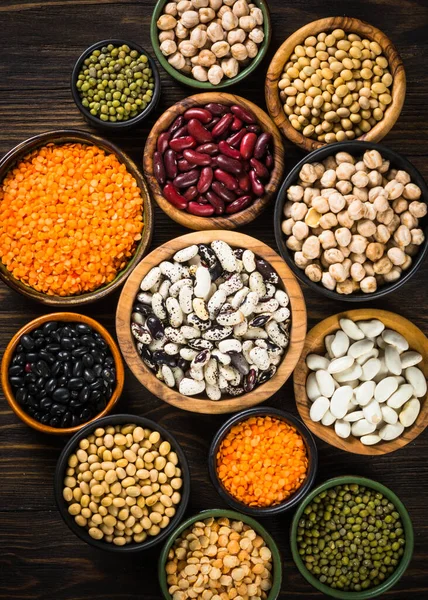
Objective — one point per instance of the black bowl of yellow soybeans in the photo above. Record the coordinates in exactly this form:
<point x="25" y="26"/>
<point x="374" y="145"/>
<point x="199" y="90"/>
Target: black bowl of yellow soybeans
<point x="122" y="484"/>
<point x="115" y="84"/>
<point x="263" y="461"/>
<point x="352" y="538"/>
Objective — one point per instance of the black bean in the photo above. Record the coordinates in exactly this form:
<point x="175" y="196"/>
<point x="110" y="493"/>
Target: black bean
<point x="87" y="360"/>
<point x="79" y="352"/>
<point x="54" y="422"/>
<point x="95" y="395"/>
<point x="57" y="409"/>
<point x="68" y="343"/>
<point x="66" y="419"/>
<point x="15" y="371"/>
<point x="53" y="348"/>
<point x="19" y="359"/>
<point x="88" y="340"/>
<point x="98" y="384"/>
<point x="61" y="394"/>
<point x="42" y="368"/>
<point x="21" y="395"/>
<point x="27" y="342"/>
<point x="39" y="343"/>
<point x="31" y="387"/>
<point x="56" y="368"/>
<point x="45" y="419"/>
<point x="84" y="394"/>
<point x="109" y="361"/>
<point x="74" y="393"/>
<point x="75" y="405"/>
<point x="67" y="369"/>
<point x="46" y="356"/>
<point x="41" y="394"/>
<point x="45" y="403"/>
<point x="108" y="376"/>
<point x="86" y="414"/>
<point x="82" y="328"/>
<point x="17" y="382"/>
<point x="32" y="357"/>
<point x="97" y="356"/>
<point x="78" y="368"/>
<point x="30" y="378"/>
<point x="37" y="415"/>
<point x="31" y="411"/>
<point x="50" y="327"/>
<point x="76" y="383"/>
<point x="89" y="375"/>
<point x="62" y="381"/>
<point x="65" y="331"/>
<point x="98" y="369"/>
<point x="75" y="421"/>
<point x="50" y="385"/>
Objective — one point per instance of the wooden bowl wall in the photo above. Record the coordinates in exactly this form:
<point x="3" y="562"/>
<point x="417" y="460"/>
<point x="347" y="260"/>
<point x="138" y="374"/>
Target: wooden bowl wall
<point x="348" y="24"/>
<point x="63" y="136"/>
<point x="63" y="317"/>
<point x="230" y="221"/>
<point x="315" y="344"/>
<point x="192" y="403"/>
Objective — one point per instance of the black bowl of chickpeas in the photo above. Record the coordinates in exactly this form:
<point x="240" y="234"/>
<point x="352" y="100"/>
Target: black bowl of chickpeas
<point x="351" y="220"/>
<point x="122" y="484"/>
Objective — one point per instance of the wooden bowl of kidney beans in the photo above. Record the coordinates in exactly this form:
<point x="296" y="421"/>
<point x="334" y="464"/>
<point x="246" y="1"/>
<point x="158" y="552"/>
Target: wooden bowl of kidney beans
<point x="62" y="371"/>
<point x="213" y="161"/>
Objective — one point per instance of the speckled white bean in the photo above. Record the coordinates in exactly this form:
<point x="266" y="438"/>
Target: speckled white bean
<point x="186" y="254"/>
<point x="248" y="258"/>
<point x="152" y="278"/>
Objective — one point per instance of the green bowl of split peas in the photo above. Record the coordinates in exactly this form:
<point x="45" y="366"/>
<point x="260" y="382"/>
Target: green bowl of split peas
<point x="115" y="84"/>
<point x="352" y="538"/>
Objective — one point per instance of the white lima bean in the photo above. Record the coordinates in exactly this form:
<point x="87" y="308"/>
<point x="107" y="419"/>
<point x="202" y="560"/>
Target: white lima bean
<point x="375" y="400"/>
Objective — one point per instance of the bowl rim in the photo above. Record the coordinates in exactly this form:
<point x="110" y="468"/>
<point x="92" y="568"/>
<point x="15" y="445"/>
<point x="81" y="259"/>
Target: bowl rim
<point x="119" y="125"/>
<point x="303" y="402"/>
<point x="311" y="449"/>
<point x="408" y="529"/>
<point x="349" y="24"/>
<point x="231" y="514"/>
<point x="232" y="221"/>
<point x="352" y="147"/>
<point x="119" y="419"/>
<point x="65" y="136"/>
<point x="65" y="317"/>
<point x="172" y="396"/>
<point x="206" y="85"/>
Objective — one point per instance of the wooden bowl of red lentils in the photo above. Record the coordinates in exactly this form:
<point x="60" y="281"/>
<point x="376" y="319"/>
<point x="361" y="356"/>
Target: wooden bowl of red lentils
<point x="75" y="217"/>
<point x="263" y="461"/>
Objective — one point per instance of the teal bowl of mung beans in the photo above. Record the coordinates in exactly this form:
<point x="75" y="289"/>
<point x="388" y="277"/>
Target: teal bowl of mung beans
<point x="352" y="538"/>
<point x="115" y="84"/>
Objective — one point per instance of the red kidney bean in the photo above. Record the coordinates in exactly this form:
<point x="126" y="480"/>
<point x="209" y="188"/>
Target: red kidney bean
<point x="256" y="185"/>
<point x="205" y="180"/>
<point x="199" y="132"/>
<point x="184" y="180"/>
<point x="202" y="114"/>
<point x="259" y="168"/>
<point x="269" y="160"/>
<point x="180" y="143"/>
<point x="262" y="143"/>
<point x="231" y="165"/>
<point x="181" y="132"/>
<point x="197" y="158"/>
<point x="214" y="122"/>
<point x="191" y="193"/>
<point x="237" y="124"/>
<point x="223" y="125"/>
<point x="170" y="162"/>
<point x="216" y="202"/>
<point x="217" y="109"/>
<point x="242" y="113"/>
<point x="253" y="128"/>
<point x="201" y="200"/>
<point x="236" y="138"/>
<point x="221" y="190"/>
<point x="159" y="168"/>
<point x="176" y="124"/>
<point x="174" y="197"/>
<point x="210" y="148"/>
<point x="162" y="143"/>
<point x="201" y="210"/>
<point x="246" y="147"/>
<point x="239" y="204"/>
<point x="184" y="165"/>
<point x="244" y="182"/>
<point x="227" y="150"/>
<point x="227" y="179"/>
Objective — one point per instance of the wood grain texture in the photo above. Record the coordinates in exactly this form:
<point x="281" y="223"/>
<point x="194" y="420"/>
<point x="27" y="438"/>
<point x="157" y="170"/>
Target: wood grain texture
<point x="39" y="558"/>
<point x="314" y="343"/>
<point x="232" y="221"/>
<point x="192" y="403"/>
<point x="69" y="318"/>
<point x="350" y="25"/>
<point x="65" y="136"/>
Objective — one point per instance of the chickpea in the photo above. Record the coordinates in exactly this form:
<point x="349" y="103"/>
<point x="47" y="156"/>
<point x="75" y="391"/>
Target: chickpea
<point x="215" y="74"/>
<point x="336" y="202"/>
<point x="393" y="275"/>
<point x="207" y="58"/>
<point x="310" y="194"/>
<point x="346" y="287"/>
<point x="300" y="230"/>
<point x="220" y="49"/>
<point x="287" y="209"/>
<point x="311" y="247"/>
<point x="308" y="173"/>
<point x="360" y="179"/>
<point x="241" y="9"/>
<point x="345" y="171"/>
<point x="177" y="60"/>
<point x="321" y="205"/>
<point x="294" y="244"/>
<point x="256" y="35"/>
<point x="338" y="272"/>
<point x="396" y="256"/>
<point x="229" y="21"/>
<point x="189" y="19"/>
<point x="330" y="163"/>
<point x="368" y="266"/>
<point x="187" y="49"/>
<point x="287" y="226"/>
<point x="328" y="221"/>
<point x="381" y="204"/>
<point x="327" y="239"/>
<point x="301" y="261"/>
<point x="206" y="15"/>
<point x="418" y="209"/>
<point x="417" y="236"/>
<point x="199" y="73"/>
<point x="375" y="179"/>
<point x="183" y="5"/>
<point x="402" y="236"/>
<point x="344" y="157"/>
<point x="366" y="227"/>
<point x="328" y="178"/>
<point x="372" y="159"/>
<point x="407" y="219"/>
<point x="166" y="22"/>
<point x="412" y="191"/>
<point x="358" y="258"/>
<point x="356" y="210"/>
<point x="298" y="211"/>
<point x="230" y="66"/>
<point x="382" y="266"/>
<point x="358" y="244"/>
<point x="314" y="272"/>
<point x="170" y="9"/>
<point x="166" y="35"/>
<point x="247" y="23"/>
<point x="375" y="251"/>
<point x="168" y="47"/>
<point x="368" y="285"/>
<point x="394" y="189"/>
<point x="412" y="249"/>
<point x="357" y="271"/>
<point x="236" y="36"/>
<point x="407" y="263"/>
<point x="386" y="216"/>
<point x="215" y="32"/>
<point x="198" y="37"/>
<point x="333" y="255"/>
<point x="344" y="187"/>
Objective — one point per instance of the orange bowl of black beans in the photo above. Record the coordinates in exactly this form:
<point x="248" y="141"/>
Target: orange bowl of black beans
<point x="122" y="484"/>
<point x="62" y="371"/>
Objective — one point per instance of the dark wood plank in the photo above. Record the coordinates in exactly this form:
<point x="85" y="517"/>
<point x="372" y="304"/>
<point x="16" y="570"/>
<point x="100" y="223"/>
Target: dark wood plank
<point x="40" y="558"/>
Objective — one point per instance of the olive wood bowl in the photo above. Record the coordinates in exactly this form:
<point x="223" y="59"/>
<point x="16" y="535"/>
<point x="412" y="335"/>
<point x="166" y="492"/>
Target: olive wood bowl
<point x="192" y="403"/>
<point x="63" y="136"/>
<point x="350" y="25"/>
<point x="315" y="344"/>
<point x="230" y="221"/>
<point x="64" y="317"/>
<point x="186" y="79"/>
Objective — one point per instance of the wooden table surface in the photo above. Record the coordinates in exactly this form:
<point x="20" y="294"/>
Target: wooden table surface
<point x="39" y="557"/>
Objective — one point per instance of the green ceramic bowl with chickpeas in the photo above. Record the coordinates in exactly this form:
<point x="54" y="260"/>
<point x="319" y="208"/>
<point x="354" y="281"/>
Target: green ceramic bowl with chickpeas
<point x="238" y="554"/>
